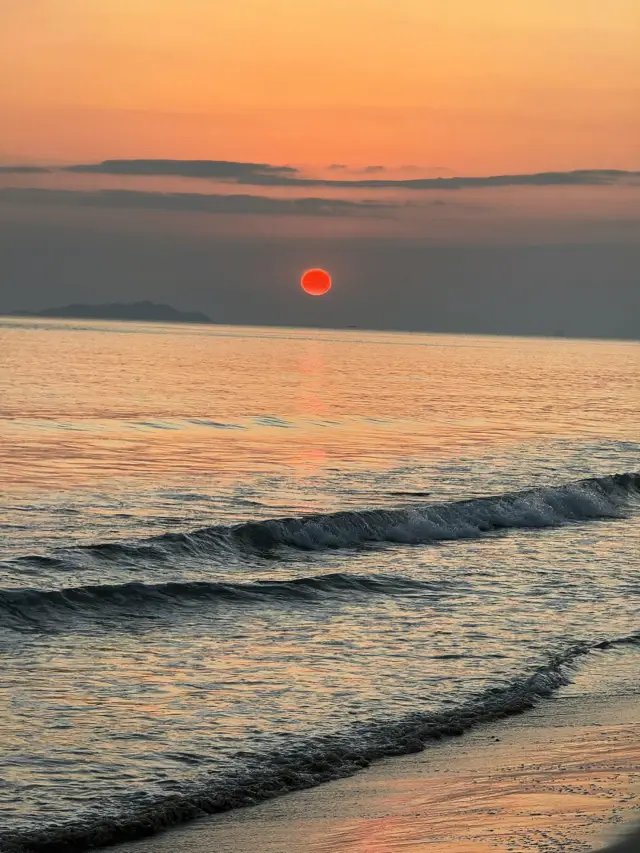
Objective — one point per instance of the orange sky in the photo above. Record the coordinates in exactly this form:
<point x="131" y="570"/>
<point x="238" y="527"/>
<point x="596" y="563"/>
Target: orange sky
<point x="474" y="86"/>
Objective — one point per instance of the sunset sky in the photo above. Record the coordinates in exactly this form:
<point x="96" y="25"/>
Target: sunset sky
<point x="475" y="86"/>
<point x="343" y="104"/>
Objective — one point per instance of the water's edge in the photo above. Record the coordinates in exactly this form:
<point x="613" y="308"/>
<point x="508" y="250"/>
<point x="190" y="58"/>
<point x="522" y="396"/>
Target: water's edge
<point x="309" y="763"/>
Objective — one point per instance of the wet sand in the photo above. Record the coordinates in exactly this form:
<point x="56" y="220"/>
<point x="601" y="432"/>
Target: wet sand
<point x="628" y="844"/>
<point x="564" y="778"/>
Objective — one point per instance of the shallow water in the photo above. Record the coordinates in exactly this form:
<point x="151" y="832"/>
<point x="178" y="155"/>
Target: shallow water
<point x="239" y="561"/>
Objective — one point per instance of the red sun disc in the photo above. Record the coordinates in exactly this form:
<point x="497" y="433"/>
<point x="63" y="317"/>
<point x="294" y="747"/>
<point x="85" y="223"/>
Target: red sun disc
<point x="316" y="282"/>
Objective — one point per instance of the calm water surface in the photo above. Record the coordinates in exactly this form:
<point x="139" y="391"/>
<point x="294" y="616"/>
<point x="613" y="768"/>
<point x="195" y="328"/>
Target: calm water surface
<point x="239" y="561"/>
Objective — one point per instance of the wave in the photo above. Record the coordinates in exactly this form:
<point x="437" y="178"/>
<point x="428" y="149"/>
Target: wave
<point x="415" y="523"/>
<point x="49" y="610"/>
<point x="304" y="764"/>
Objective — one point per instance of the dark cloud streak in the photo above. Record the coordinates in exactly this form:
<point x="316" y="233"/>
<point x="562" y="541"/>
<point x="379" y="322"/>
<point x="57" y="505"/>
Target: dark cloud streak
<point x="218" y="169"/>
<point x="24" y="170"/>
<point x="196" y="202"/>
<point x="263" y="174"/>
<point x="582" y="178"/>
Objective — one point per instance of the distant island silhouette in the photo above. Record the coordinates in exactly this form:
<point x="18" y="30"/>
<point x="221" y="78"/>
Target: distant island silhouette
<point x="137" y="311"/>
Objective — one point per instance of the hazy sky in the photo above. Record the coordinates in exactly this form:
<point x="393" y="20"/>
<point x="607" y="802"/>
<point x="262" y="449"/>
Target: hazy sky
<point x="468" y="165"/>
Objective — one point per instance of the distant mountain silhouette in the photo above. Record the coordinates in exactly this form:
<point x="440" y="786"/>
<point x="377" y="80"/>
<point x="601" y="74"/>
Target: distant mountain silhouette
<point x="140" y="311"/>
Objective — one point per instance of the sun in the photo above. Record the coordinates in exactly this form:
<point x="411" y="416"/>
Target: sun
<point x="316" y="282"/>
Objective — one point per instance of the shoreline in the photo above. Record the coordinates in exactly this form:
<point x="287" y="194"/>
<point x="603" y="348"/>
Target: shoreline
<point x="560" y="778"/>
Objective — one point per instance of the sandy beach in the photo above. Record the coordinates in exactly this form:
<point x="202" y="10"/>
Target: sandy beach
<point x="563" y="778"/>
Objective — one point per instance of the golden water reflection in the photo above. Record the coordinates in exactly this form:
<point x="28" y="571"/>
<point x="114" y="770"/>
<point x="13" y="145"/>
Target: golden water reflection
<point x="86" y="404"/>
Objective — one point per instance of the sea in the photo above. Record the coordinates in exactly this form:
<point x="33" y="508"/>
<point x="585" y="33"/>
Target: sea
<point x="236" y="562"/>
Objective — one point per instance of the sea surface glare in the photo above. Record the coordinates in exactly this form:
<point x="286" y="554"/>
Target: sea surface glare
<point x="235" y="562"/>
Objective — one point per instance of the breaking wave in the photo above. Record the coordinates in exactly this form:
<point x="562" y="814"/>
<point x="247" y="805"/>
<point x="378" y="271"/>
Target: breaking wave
<point x="23" y="609"/>
<point x="48" y="610"/>
<point x="415" y="523"/>
<point x="304" y="764"/>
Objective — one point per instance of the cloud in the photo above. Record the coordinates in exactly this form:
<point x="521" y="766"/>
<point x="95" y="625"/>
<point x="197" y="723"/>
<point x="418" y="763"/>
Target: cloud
<point x="586" y="177"/>
<point x="263" y="174"/>
<point x="219" y="169"/>
<point x="23" y="170"/>
<point x="197" y="202"/>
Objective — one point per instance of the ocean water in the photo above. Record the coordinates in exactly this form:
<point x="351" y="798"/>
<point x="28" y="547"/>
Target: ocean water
<point x="235" y="562"/>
